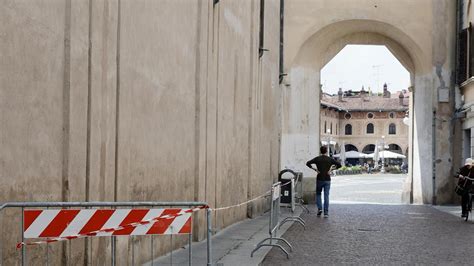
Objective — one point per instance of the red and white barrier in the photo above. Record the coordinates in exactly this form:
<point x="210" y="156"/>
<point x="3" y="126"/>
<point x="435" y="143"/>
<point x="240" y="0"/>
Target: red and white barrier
<point x="58" y="225"/>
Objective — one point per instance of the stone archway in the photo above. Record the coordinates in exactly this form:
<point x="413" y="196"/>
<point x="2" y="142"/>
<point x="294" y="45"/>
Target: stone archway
<point x="395" y="148"/>
<point x="350" y="147"/>
<point x="313" y="43"/>
<point x="370" y="148"/>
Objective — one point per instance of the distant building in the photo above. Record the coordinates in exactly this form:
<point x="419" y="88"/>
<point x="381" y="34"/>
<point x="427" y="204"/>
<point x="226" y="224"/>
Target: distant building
<point x="360" y="119"/>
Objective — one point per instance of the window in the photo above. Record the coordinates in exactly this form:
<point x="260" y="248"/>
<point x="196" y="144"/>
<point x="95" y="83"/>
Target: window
<point x="370" y="115"/>
<point x="325" y="127"/>
<point x="370" y="128"/>
<point x="465" y="60"/>
<point x="331" y="128"/>
<point x="462" y="56"/>
<point x="347" y="116"/>
<point x="392" y="129"/>
<point x="348" y="129"/>
<point x="391" y="115"/>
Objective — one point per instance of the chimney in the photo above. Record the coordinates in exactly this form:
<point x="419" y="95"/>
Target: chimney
<point x="400" y="98"/>
<point x="386" y="93"/>
<point x="362" y="93"/>
<point x="339" y="95"/>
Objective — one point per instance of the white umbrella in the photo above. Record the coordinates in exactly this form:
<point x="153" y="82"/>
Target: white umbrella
<point x="388" y="154"/>
<point x="343" y="154"/>
<point x="352" y="155"/>
<point x="391" y="154"/>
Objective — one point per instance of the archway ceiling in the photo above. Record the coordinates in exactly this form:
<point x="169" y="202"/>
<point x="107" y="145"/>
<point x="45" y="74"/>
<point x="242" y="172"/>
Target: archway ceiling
<point x="324" y="44"/>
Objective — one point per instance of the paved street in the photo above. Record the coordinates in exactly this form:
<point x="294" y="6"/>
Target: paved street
<point x="371" y="233"/>
<point x="378" y="234"/>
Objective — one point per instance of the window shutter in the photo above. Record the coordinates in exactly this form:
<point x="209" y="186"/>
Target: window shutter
<point x="462" y="56"/>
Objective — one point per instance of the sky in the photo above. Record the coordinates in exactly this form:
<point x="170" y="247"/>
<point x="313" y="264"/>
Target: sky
<point x="364" y="65"/>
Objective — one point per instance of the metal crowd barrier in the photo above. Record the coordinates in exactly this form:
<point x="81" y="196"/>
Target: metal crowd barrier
<point x="33" y="220"/>
<point x="274" y="223"/>
<point x="299" y="192"/>
<point x="290" y="195"/>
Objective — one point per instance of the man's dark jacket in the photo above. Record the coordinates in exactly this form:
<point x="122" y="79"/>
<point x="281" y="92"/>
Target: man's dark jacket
<point x="323" y="163"/>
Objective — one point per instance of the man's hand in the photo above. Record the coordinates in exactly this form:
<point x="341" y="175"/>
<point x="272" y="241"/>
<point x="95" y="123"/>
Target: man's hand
<point x="461" y="176"/>
<point x="331" y="169"/>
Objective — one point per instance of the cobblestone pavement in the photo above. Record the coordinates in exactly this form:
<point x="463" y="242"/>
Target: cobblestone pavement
<point x="378" y="234"/>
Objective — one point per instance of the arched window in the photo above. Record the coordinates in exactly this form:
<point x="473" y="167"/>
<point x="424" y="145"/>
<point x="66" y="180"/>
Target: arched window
<point x="348" y="129"/>
<point x="370" y="128"/>
<point x="331" y="129"/>
<point x="325" y="128"/>
<point x="392" y="129"/>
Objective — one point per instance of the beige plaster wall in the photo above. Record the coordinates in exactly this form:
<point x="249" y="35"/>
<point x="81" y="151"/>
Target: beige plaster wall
<point x="136" y="101"/>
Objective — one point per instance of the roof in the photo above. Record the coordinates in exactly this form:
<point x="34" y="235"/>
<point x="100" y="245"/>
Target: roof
<point x="368" y="103"/>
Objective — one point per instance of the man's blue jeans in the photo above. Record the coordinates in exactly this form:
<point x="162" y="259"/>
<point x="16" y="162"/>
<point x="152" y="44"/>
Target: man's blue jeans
<point x="320" y="185"/>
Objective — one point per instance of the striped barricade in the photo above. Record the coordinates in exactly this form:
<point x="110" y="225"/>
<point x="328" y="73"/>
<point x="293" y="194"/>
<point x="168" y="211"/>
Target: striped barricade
<point x="57" y="225"/>
<point x="60" y="221"/>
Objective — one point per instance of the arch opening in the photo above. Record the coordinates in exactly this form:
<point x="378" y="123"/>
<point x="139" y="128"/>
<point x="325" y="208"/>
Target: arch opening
<point x="320" y="46"/>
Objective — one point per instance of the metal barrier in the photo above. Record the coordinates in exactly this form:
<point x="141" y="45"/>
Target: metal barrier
<point x="274" y="223"/>
<point x="299" y="192"/>
<point x="55" y="225"/>
<point x="289" y="198"/>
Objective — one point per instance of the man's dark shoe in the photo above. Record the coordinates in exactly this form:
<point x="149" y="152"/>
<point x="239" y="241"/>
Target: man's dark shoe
<point x="463" y="215"/>
<point x="326" y="215"/>
<point x="319" y="212"/>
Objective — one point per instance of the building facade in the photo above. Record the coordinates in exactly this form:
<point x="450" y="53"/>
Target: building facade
<point x="465" y="78"/>
<point x="359" y="120"/>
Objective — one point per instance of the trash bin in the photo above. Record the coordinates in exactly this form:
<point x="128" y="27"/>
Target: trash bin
<point x="287" y="188"/>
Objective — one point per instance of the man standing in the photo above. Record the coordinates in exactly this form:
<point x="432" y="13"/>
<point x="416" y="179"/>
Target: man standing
<point x="324" y="164"/>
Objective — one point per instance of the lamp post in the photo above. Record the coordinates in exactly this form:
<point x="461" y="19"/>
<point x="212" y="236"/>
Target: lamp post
<point x="328" y="131"/>
<point x="383" y="156"/>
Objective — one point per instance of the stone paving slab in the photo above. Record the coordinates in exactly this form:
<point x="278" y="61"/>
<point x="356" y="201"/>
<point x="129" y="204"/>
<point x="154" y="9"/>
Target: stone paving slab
<point x="363" y="234"/>
<point x="231" y="246"/>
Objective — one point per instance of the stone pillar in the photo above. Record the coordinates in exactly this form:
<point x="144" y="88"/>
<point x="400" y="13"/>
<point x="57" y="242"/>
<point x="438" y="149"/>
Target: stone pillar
<point x="300" y="138"/>
<point x="422" y="140"/>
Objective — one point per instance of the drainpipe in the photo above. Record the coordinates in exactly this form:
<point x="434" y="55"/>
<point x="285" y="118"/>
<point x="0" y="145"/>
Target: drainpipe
<point x="433" y="200"/>
<point x="412" y="126"/>
<point x="282" y="16"/>
<point x="459" y="7"/>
